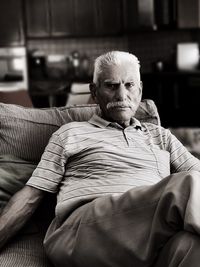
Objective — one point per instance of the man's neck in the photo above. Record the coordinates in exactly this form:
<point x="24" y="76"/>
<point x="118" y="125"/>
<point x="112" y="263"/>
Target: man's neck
<point x="124" y="124"/>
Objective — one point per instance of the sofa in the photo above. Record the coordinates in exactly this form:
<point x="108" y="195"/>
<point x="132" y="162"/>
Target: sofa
<point x="24" y="133"/>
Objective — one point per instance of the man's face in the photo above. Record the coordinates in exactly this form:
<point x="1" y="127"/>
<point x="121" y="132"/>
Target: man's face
<point x="118" y="93"/>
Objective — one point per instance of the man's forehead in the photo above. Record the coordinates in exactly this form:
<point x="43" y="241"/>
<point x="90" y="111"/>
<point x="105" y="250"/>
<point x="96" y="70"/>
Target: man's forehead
<point x="118" y="80"/>
<point x="118" y="73"/>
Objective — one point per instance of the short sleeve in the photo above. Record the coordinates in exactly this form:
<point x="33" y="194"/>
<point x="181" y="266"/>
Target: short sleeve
<point x="51" y="168"/>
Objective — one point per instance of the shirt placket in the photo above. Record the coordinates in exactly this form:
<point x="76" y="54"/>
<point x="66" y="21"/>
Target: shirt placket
<point x="126" y="137"/>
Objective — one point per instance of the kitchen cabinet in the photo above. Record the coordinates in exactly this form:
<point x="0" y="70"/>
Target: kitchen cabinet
<point x="150" y="14"/>
<point x="188" y="14"/>
<point x="165" y="13"/>
<point x="85" y="17"/>
<point x="11" y="23"/>
<point x="62" y="17"/>
<point x="72" y="17"/>
<point x="50" y="18"/>
<point x="109" y="17"/>
<point x="139" y="14"/>
<point x="37" y="18"/>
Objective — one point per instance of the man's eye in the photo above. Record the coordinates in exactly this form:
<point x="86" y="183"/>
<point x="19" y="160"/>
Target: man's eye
<point x="112" y="86"/>
<point x="129" y="85"/>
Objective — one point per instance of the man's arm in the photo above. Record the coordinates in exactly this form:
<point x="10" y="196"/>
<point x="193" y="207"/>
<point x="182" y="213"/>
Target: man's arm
<point x="18" y="211"/>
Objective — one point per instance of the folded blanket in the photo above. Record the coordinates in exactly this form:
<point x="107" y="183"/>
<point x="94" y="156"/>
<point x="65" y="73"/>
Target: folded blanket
<point x="14" y="173"/>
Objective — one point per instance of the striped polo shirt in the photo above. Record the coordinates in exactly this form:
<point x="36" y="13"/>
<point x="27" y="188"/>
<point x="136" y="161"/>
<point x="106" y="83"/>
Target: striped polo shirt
<point x="86" y="160"/>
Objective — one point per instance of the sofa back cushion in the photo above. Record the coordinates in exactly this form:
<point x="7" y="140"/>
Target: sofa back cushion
<point x="24" y="132"/>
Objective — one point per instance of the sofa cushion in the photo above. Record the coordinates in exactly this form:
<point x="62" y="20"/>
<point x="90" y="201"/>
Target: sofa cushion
<point x="24" y="132"/>
<point x="25" y="250"/>
<point x="14" y="173"/>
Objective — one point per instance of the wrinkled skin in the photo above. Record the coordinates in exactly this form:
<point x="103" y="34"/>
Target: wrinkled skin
<point x="118" y="83"/>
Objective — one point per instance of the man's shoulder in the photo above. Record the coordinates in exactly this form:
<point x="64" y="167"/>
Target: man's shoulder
<point x="73" y="126"/>
<point x="148" y="126"/>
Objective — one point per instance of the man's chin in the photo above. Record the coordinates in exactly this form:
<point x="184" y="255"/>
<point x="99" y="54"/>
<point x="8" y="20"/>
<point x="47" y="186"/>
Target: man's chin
<point x="121" y="109"/>
<point x="118" y="114"/>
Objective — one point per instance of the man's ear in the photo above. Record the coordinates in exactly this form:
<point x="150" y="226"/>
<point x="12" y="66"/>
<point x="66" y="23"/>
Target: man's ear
<point x="141" y="87"/>
<point x="93" y="90"/>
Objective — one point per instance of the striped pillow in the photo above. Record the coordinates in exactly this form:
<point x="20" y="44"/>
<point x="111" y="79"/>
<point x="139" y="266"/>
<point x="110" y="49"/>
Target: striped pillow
<point x="25" y="132"/>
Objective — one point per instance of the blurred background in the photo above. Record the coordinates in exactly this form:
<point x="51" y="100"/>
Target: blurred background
<point x="47" y="49"/>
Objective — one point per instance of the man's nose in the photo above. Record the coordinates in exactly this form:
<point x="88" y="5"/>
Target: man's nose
<point x="121" y="93"/>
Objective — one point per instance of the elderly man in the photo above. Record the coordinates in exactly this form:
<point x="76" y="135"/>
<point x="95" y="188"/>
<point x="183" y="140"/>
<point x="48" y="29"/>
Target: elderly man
<point x="118" y="202"/>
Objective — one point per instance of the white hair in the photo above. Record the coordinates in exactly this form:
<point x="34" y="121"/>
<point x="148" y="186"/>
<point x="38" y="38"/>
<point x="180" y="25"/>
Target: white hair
<point x="114" y="58"/>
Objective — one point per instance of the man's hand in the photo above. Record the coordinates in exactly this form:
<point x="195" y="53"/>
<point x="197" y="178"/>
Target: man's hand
<point x="18" y="211"/>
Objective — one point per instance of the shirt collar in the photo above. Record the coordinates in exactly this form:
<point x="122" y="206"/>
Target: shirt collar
<point x="102" y="123"/>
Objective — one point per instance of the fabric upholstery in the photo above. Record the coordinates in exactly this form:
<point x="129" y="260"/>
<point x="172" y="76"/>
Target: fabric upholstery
<point x="24" y="132"/>
<point x="14" y="173"/>
<point x="26" y="250"/>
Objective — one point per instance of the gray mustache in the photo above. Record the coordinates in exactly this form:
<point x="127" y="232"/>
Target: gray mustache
<point x="120" y="104"/>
